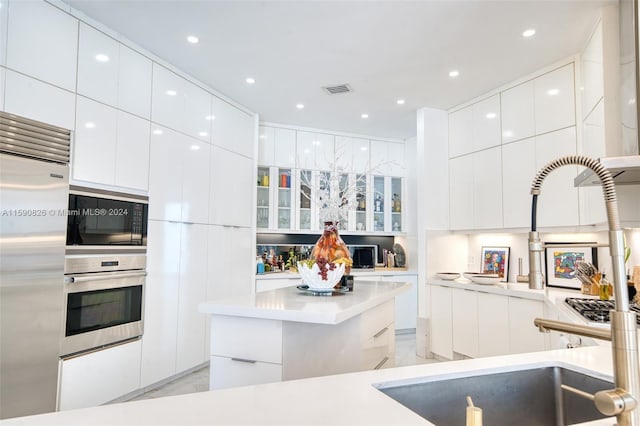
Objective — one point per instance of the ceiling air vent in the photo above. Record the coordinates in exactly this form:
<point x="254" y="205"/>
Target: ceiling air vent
<point x="341" y="88"/>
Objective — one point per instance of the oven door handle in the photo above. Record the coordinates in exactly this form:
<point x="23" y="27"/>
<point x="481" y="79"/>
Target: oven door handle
<point x="97" y="277"/>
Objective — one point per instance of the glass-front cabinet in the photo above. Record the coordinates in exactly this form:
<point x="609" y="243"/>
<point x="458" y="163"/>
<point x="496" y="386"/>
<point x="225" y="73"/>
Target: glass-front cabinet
<point x="361" y="203"/>
<point x="379" y="198"/>
<point x="263" y="198"/>
<point x="285" y="204"/>
<point x="304" y="197"/>
<point x="396" y="204"/>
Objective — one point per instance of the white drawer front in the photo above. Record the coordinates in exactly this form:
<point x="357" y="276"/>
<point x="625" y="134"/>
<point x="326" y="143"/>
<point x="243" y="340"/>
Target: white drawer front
<point x="377" y="318"/>
<point x="379" y="347"/>
<point x="230" y="372"/>
<point x="247" y="338"/>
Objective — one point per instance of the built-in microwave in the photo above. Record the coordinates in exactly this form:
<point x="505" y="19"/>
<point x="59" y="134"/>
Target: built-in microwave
<point x="99" y="220"/>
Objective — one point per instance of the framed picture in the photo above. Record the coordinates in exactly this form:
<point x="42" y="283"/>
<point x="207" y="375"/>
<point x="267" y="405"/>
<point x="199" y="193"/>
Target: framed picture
<point x="561" y="260"/>
<point x="496" y="260"/>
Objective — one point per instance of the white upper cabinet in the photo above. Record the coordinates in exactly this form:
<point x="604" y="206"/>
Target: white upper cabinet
<point x="2" y="76"/>
<point x="197" y="112"/>
<point x="285" y="148"/>
<point x="40" y="101"/>
<point x="266" y="145"/>
<point x="487" y="192"/>
<point x="98" y="59"/>
<point x="555" y="100"/>
<point x="315" y="151"/>
<point x="132" y="152"/>
<point x="3" y="34"/>
<point x="43" y="43"/>
<point x="231" y="175"/>
<point x="558" y="200"/>
<point x="395" y="154"/>
<point x="352" y="154"/>
<point x="461" y="192"/>
<point x="134" y="83"/>
<point x="591" y="72"/>
<point x="460" y="132"/>
<point x="167" y="96"/>
<point x="195" y="180"/>
<point x="387" y="158"/>
<point x="233" y="129"/>
<point x="94" y="153"/>
<point x="486" y="123"/>
<point x="518" y="171"/>
<point x="165" y="174"/>
<point x="518" y="112"/>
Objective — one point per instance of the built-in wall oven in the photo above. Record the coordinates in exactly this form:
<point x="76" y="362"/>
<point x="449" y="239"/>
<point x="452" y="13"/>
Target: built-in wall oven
<point x="104" y="297"/>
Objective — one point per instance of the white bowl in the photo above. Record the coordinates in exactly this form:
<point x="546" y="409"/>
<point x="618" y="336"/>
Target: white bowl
<point x="486" y="278"/>
<point x="313" y="279"/>
<point x="448" y="275"/>
<point x="468" y="275"/>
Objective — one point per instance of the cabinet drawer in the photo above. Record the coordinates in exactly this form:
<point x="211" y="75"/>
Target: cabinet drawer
<point x="379" y="347"/>
<point x="230" y="372"/>
<point x="377" y="318"/>
<point x="247" y="338"/>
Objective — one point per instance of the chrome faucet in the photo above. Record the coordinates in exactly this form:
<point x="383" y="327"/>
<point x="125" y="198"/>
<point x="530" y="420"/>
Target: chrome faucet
<point x="622" y="400"/>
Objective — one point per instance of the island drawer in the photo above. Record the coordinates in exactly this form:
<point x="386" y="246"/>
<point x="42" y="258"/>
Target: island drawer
<point x="379" y="349"/>
<point x="247" y="338"/>
<point x="230" y="372"/>
<point x="376" y="319"/>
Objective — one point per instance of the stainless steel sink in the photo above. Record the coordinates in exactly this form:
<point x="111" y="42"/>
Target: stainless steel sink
<point x="529" y="396"/>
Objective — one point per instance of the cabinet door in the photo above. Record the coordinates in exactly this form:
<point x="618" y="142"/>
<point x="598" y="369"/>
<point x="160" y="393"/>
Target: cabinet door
<point x="232" y="183"/>
<point x="43" y="43"/>
<point x="4" y="6"/>
<point x="314" y="151"/>
<point x="231" y="262"/>
<point x="441" y="321"/>
<point x="460" y="132"/>
<point x="493" y="324"/>
<point x="191" y="349"/>
<point x="195" y="180"/>
<point x="464" y="314"/>
<point x="98" y="64"/>
<point x="487" y="193"/>
<point x="555" y="100"/>
<point x="161" y="302"/>
<point x="229" y="372"/>
<point x="95" y="142"/>
<point x="406" y="303"/>
<point x="461" y="195"/>
<point x="132" y="152"/>
<point x="116" y="369"/>
<point x="266" y="145"/>
<point x="197" y="112"/>
<point x="558" y="200"/>
<point x="518" y="112"/>
<point x="232" y="128"/>
<point x="165" y="174"/>
<point x="285" y="148"/>
<point x="2" y="79"/>
<point x="378" y="156"/>
<point x="134" y="83"/>
<point x="167" y="106"/>
<point x="486" y="123"/>
<point x="518" y="171"/>
<point x="395" y="154"/>
<point x="524" y="336"/>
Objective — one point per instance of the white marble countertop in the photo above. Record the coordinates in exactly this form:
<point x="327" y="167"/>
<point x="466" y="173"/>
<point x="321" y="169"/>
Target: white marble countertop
<point x="347" y="399"/>
<point x="290" y="304"/>
<point x="355" y="272"/>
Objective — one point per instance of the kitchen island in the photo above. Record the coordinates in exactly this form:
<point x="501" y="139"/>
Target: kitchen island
<point x="287" y="334"/>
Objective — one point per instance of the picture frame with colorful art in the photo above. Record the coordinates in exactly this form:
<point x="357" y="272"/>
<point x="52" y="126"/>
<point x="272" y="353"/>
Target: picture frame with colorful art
<point x="495" y="260"/>
<point x="561" y="260"/>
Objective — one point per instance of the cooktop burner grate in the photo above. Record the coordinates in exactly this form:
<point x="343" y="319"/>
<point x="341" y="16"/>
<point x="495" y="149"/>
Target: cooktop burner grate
<point x="596" y="310"/>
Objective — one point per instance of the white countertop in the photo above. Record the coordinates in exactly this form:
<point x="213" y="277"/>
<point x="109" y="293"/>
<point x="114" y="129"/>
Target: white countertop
<point x="355" y="272"/>
<point x="290" y="304"/>
<point x="347" y="399"/>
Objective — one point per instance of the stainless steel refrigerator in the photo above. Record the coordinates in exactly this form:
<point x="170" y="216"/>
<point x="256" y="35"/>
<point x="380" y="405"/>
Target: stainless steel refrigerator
<point x="34" y="186"/>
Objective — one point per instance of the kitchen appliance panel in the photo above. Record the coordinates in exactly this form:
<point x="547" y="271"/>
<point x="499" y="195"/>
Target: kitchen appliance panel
<point x="33" y="200"/>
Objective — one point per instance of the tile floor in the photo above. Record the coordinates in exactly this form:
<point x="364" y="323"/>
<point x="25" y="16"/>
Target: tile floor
<point x="198" y="381"/>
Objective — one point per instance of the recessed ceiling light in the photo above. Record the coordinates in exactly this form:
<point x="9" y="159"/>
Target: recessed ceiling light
<point x="250" y="80"/>
<point x="210" y="117"/>
<point x="157" y="132"/>
<point x="299" y="106"/>
<point x="454" y="73"/>
<point x="365" y="116"/>
<point x="171" y="92"/>
<point x="491" y="115"/>
<point x="193" y="39"/>
<point x="90" y="125"/>
<point x="400" y="101"/>
<point x="101" y="57"/>
<point x="553" y="92"/>
<point x="529" y="33"/>
<point x="203" y="133"/>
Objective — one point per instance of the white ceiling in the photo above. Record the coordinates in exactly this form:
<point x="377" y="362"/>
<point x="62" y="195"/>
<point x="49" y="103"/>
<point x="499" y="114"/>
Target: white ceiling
<point x="385" y="50"/>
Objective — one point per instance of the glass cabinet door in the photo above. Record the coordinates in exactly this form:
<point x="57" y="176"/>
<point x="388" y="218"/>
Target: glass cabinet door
<point x="396" y="204"/>
<point x="324" y="191"/>
<point x="361" y="203"/>
<point x="343" y="185"/>
<point x="284" y="199"/>
<point x="304" y="209"/>
<point x="378" y="203"/>
<point x="262" y="217"/>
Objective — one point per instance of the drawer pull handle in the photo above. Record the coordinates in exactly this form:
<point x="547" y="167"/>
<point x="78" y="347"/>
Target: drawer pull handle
<point x="381" y="363"/>
<point x="380" y="333"/>
<point x="248" y="361"/>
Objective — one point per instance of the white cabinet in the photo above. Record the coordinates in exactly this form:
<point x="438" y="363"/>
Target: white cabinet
<point x="267" y="145"/>
<point x="352" y="154"/>
<point x="231" y="263"/>
<point x="134" y="82"/>
<point x="557" y="188"/>
<point x="197" y="112"/>
<point x="487" y="188"/>
<point x="493" y="324"/>
<point x="111" y="147"/>
<point x="464" y="315"/>
<point x="2" y="77"/>
<point x="276" y="147"/>
<point x="231" y="174"/>
<point x="460" y="132"/>
<point x="518" y="112"/>
<point x="314" y="151"/>
<point x="387" y="158"/>
<point x="43" y="43"/>
<point x="518" y="171"/>
<point x="441" y="321"/>
<point x="406" y="303"/>
<point x="232" y="129"/>
<point x="191" y="348"/>
<point x="461" y="192"/>
<point x="39" y="101"/>
<point x="555" y="100"/>
<point x="524" y="336"/>
<point x="162" y="291"/>
<point x="486" y="123"/>
<point x="99" y="377"/>
<point x="3" y="34"/>
<point x="98" y="64"/>
<point x="195" y="181"/>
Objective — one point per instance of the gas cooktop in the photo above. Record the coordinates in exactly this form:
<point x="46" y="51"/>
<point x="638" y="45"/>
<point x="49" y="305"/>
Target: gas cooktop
<point x="596" y="310"/>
